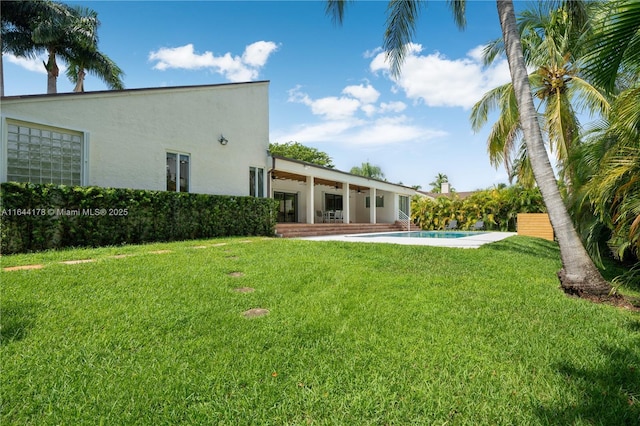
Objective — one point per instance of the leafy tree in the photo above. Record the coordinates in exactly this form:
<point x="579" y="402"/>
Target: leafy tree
<point x="297" y="151"/>
<point x="368" y="170"/>
<point x="578" y="275"/>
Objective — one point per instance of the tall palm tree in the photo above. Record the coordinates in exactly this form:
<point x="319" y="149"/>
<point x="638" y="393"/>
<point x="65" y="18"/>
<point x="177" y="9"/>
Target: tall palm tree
<point x="368" y="170"/>
<point x="436" y="185"/>
<point x="553" y="46"/>
<point x="70" y="33"/>
<point x="578" y="274"/>
<point x="97" y="63"/>
<point x="17" y="18"/>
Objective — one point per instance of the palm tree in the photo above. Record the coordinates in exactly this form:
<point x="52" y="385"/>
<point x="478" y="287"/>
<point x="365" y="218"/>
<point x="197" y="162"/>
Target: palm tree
<point x="615" y="45"/>
<point x="553" y="46"/>
<point x="368" y="170"/>
<point x="436" y="185"/>
<point x="96" y="63"/>
<point x="17" y="18"/>
<point x="578" y="274"/>
<point x="69" y="33"/>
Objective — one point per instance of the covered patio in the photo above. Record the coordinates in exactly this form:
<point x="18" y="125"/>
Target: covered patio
<point x="313" y="194"/>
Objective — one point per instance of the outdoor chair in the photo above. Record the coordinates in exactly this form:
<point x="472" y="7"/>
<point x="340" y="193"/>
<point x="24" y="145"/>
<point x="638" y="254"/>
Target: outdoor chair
<point x="478" y="226"/>
<point x="319" y="215"/>
<point x="338" y="217"/>
<point x="453" y="224"/>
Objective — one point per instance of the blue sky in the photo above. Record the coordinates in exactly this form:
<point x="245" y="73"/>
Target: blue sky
<point x="330" y="86"/>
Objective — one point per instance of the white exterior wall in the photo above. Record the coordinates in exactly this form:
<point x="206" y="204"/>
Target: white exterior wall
<point x="129" y="133"/>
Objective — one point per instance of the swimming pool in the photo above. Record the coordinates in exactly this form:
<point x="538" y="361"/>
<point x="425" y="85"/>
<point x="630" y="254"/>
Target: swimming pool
<point x="423" y="234"/>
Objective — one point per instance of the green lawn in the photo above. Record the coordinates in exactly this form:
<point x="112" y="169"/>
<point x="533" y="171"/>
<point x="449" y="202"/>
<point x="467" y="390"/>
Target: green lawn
<point x="357" y="334"/>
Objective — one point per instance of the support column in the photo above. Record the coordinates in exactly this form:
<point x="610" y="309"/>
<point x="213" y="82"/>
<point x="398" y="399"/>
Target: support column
<point x="346" y="202"/>
<point x="372" y="205"/>
<point x="311" y="212"/>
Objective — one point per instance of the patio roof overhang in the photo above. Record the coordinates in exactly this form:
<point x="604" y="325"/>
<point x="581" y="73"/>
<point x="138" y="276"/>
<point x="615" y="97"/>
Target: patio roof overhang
<point x="290" y="169"/>
<point x="282" y="175"/>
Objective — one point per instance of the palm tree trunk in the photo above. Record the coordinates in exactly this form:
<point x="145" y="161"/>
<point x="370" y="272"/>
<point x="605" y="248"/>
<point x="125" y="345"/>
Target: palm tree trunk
<point x="80" y="83"/>
<point x="52" y="73"/>
<point x="578" y="274"/>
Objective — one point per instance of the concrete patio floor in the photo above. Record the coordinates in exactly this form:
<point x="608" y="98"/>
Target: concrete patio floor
<point x="473" y="241"/>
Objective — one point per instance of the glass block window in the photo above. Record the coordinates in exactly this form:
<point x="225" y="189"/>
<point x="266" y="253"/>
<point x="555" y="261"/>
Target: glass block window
<point x="44" y="155"/>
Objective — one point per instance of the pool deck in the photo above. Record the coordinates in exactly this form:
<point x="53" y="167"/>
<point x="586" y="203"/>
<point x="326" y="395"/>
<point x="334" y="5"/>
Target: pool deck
<point x="473" y="241"/>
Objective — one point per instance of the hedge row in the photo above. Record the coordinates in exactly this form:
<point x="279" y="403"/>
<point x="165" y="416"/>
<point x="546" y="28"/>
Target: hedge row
<point x="39" y="217"/>
<point x="497" y="207"/>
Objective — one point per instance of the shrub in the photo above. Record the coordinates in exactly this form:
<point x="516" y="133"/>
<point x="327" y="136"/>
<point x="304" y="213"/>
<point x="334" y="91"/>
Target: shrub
<point x="39" y="217"/>
<point x="498" y="208"/>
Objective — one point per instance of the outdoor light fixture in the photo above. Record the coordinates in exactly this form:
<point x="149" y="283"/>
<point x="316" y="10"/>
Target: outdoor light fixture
<point x="223" y="140"/>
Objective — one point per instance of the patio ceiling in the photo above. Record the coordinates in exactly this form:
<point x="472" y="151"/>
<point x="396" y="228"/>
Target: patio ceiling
<point x="278" y="174"/>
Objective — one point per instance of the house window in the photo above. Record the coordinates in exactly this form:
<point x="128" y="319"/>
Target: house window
<point x="256" y="182"/>
<point x="39" y="154"/>
<point x="379" y="201"/>
<point x="177" y="172"/>
<point x="332" y="202"/>
<point x="405" y="205"/>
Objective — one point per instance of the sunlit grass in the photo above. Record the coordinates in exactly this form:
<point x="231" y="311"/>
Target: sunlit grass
<point x="356" y="334"/>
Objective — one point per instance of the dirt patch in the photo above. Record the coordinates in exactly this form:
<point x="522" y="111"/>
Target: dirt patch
<point x="22" y="268"/>
<point x="76" y="262"/>
<point x="244" y="290"/>
<point x="199" y="247"/>
<point x="121" y="256"/>
<point x="236" y="274"/>
<point x="161" y="251"/>
<point x="617" y="300"/>
<point x="255" y="312"/>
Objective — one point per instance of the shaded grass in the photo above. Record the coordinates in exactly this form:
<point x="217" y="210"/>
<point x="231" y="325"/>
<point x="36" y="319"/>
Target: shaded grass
<point x="357" y="334"/>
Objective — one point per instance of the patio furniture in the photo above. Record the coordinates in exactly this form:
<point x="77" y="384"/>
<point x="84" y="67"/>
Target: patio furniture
<point x="453" y="224"/>
<point x="329" y="216"/>
<point x="338" y="216"/>
<point x="478" y="226"/>
<point x="319" y="216"/>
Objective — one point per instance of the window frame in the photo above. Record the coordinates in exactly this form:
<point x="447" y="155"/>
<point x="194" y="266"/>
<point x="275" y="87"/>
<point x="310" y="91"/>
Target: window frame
<point x="178" y="173"/>
<point x="6" y="121"/>
<point x="256" y="182"/>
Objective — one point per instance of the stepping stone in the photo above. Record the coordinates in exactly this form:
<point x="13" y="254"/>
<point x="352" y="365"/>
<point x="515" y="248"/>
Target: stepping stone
<point x="255" y="312"/>
<point x="121" y="256"/>
<point x="199" y="247"/>
<point x="236" y="274"/>
<point x="76" y="262"/>
<point x="161" y="251"/>
<point x="219" y="245"/>
<point x="22" y="268"/>
<point x="244" y="290"/>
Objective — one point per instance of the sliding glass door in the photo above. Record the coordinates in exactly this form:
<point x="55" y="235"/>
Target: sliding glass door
<point x="288" y="209"/>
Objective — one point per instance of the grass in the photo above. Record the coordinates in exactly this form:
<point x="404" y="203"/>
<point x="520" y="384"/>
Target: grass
<point x="363" y="334"/>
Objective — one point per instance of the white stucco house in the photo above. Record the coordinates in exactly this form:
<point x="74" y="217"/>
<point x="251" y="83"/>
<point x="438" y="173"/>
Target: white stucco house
<point x="210" y="139"/>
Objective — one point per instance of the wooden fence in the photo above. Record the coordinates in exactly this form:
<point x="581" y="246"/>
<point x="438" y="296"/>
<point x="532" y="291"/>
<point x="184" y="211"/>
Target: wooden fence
<point x="535" y="225"/>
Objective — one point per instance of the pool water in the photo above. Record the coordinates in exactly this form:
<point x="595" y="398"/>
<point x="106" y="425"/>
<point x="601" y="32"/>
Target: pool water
<point x="424" y="234"/>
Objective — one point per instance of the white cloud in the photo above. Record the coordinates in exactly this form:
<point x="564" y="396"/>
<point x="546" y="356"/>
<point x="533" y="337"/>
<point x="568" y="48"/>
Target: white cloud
<point x="32" y="64"/>
<point x="257" y="54"/>
<point x="365" y="94"/>
<point x="439" y="81"/>
<point x="233" y="68"/>
<point x="342" y="124"/>
<point x="392" y="107"/>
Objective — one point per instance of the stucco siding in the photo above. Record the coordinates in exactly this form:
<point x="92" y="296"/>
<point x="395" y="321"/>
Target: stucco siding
<point x="130" y="132"/>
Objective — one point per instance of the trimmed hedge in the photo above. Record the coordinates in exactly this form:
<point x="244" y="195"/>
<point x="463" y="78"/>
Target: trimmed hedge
<point x="39" y="217"/>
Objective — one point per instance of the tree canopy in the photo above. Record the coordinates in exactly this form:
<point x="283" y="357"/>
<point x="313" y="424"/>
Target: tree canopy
<point x="297" y="151"/>
<point x="368" y="170"/>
